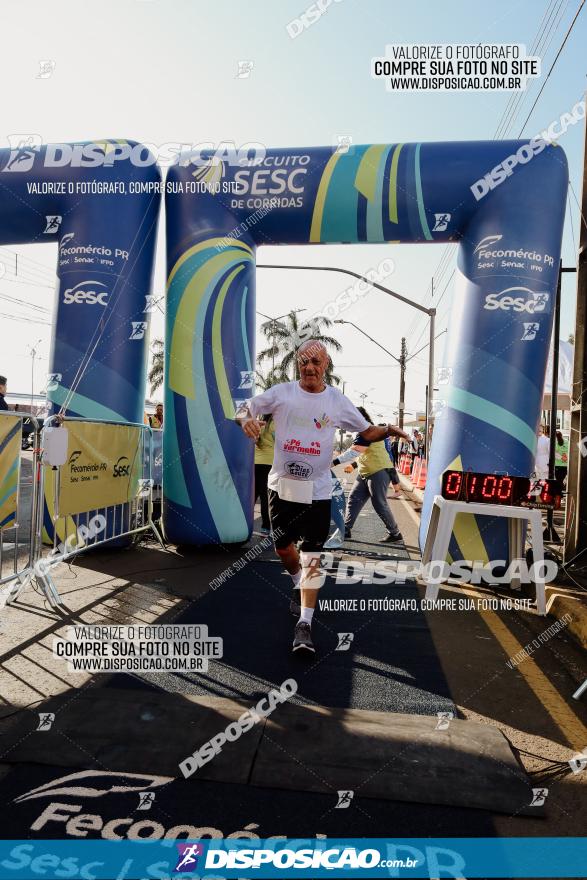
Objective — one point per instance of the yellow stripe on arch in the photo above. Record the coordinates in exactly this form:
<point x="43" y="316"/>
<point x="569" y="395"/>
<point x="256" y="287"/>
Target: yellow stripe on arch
<point x="468" y="537"/>
<point x="316" y="227"/>
<point x="466" y="530"/>
<point x="217" y="354"/>
<point x="180" y="372"/>
<point x="368" y="170"/>
<point x="203" y="245"/>
<point x="393" y="215"/>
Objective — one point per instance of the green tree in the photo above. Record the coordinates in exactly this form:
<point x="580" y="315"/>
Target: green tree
<point x="157" y="365"/>
<point x="285" y="337"/>
<point x="263" y="381"/>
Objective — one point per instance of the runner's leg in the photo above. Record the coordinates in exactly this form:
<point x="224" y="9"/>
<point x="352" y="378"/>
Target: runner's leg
<point x="315" y="527"/>
<point x="356" y="501"/>
<point x="285" y="530"/>
<point x="377" y="485"/>
<point x="261" y="475"/>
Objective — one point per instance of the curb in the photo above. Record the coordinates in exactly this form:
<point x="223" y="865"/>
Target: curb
<point x="407" y="486"/>
<point x="558" y="606"/>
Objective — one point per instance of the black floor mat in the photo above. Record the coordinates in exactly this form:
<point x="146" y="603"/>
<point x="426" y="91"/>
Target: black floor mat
<point x="218" y="809"/>
<point x="390" y="665"/>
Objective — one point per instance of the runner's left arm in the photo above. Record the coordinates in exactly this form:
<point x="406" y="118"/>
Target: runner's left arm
<point x="351" y="419"/>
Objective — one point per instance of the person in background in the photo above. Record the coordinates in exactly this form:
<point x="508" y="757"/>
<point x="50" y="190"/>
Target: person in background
<point x="395" y="443"/>
<point x="264" y="449"/>
<point x="3" y="384"/>
<point x="417" y="445"/>
<point x="156" y="421"/>
<point x="372" y="482"/>
<point x="393" y="475"/>
<point x="542" y="453"/>
<point x="561" y="457"/>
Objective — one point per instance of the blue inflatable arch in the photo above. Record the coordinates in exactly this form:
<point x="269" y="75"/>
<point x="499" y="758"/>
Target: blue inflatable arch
<point x="508" y="220"/>
<point x="82" y="197"/>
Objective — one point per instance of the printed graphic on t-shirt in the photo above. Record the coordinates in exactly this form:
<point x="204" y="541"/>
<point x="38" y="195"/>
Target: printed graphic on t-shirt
<point x="298" y="470"/>
<point x="322" y="422"/>
<point x="297" y="419"/>
<point x="294" y="445"/>
<point x="305" y="425"/>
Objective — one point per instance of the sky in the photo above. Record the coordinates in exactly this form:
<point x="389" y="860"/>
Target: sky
<point x="166" y="70"/>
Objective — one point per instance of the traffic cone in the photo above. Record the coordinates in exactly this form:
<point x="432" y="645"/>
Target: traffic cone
<point x="423" y="474"/>
<point x="407" y="464"/>
<point x="415" y="475"/>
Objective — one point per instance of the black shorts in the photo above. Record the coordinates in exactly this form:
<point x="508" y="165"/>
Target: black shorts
<point x="292" y="522"/>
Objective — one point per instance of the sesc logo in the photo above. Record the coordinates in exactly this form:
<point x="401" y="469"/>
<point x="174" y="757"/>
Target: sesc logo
<point x="122" y="467"/>
<point x="526" y="301"/>
<point x="86" y="292"/>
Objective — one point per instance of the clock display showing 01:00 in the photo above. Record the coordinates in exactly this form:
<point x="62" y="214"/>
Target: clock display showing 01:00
<point x="500" y="489"/>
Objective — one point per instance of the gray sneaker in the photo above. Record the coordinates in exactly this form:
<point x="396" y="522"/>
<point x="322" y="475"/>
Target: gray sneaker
<point x="294" y="606"/>
<point x="303" y="637"/>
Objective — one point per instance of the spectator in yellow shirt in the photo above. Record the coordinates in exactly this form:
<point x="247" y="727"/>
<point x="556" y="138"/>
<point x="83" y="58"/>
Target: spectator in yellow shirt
<point x="156" y="421"/>
<point x="264" y="448"/>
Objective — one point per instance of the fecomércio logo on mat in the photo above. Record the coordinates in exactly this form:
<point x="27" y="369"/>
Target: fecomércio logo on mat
<point x="188" y="855"/>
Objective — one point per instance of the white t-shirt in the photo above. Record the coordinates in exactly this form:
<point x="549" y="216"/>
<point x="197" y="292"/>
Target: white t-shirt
<point x="542" y="457"/>
<point x="305" y="424"/>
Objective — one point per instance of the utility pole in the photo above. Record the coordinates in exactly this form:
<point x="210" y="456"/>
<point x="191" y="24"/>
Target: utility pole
<point x="550" y="533"/>
<point x="402" y="383"/>
<point x="576" y="524"/>
<point x="33" y="355"/>
<point x="431" y="312"/>
<point x="341" y="430"/>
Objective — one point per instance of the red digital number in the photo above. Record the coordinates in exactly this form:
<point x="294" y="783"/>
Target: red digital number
<point x="504" y="488"/>
<point x="486" y="490"/>
<point x="471" y="487"/>
<point x="453" y="484"/>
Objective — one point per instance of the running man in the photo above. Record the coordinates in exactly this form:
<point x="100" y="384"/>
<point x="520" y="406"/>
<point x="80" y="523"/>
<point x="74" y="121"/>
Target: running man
<point x="306" y="415"/>
<point x="374" y="465"/>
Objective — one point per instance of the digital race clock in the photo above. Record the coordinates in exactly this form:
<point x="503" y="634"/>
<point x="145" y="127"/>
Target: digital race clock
<point x="501" y="489"/>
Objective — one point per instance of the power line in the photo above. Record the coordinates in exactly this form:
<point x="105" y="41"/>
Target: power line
<point x="557" y="56"/>
<point x="27" y="259"/>
<point x="22" y="302"/>
<point x="437" y="304"/>
<point x="571" y="223"/>
<point x="582" y="216"/>
<point x="504" y="123"/>
<point x="21" y="261"/>
<point x="518" y="98"/>
<point x="24" y="319"/>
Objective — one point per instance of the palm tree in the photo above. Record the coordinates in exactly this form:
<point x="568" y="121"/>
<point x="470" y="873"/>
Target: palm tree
<point x="263" y="381"/>
<point x="157" y="365"/>
<point x="286" y="336"/>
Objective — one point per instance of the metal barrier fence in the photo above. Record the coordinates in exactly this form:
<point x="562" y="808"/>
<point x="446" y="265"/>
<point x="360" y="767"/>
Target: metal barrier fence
<point x="70" y="532"/>
<point x="20" y="536"/>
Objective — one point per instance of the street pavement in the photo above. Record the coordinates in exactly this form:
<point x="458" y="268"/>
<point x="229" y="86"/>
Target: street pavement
<point x="399" y="661"/>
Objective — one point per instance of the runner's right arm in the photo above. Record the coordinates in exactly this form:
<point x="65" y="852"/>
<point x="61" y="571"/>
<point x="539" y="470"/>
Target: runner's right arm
<point x="247" y="413"/>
